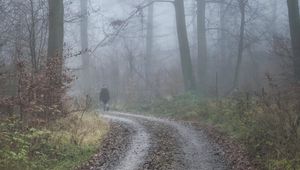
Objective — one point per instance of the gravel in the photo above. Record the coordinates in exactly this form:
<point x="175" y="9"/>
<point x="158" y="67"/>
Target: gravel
<point x="112" y="150"/>
<point x="140" y="142"/>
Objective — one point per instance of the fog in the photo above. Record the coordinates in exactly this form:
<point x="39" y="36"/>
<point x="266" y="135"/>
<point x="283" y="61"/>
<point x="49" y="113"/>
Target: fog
<point x="138" y="56"/>
<point x="217" y="83"/>
<point x="120" y="63"/>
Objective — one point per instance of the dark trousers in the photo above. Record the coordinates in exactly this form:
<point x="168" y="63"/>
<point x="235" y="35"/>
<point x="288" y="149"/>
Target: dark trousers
<point x="105" y="106"/>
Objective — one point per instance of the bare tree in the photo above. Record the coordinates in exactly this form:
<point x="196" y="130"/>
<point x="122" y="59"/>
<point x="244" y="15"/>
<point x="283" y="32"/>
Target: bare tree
<point x="274" y="17"/>
<point x="242" y="7"/>
<point x="294" y="20"/>
<point x="55" y="49"/>
<point x="186" y="65"/>
<point x="149" y="46"/>
<point x="202" y="45"/>
<point x="32" y="39"/>
<point x="84" y="44"/>
<point x="56" y="32"/>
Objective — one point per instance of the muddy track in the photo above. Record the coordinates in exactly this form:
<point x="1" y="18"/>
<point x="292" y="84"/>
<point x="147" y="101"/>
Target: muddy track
<point x="139" y="142"/>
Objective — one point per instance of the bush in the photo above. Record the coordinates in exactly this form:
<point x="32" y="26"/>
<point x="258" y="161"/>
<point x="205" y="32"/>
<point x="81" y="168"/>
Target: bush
<point x="79" y="131"/>
<point x="51" y="148"/>
<point x="20" y="147"/>
<point x="267" y="124"/>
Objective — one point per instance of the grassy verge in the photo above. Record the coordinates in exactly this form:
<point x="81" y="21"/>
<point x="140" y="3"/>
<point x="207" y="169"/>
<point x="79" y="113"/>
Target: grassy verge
<point x="266" y="126"/>
<point x="64" y="144"/>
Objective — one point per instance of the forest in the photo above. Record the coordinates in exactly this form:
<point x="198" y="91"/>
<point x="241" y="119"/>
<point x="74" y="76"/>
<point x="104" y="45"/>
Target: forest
<point x="149" y="84"/>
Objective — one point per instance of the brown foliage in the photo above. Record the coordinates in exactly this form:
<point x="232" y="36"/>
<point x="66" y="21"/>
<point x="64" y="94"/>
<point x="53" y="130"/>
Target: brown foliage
<point x="40" y="92"/>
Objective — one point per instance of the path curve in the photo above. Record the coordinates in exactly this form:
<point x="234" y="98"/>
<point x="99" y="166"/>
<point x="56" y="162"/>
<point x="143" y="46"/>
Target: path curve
<point x="139" y="144"/>
<point x="156" y="143"/>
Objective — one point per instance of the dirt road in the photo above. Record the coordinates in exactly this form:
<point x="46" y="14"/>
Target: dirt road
<point x="140" y="142"/>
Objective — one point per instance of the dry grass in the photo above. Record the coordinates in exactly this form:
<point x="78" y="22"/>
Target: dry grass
<point x="86" y="131"/>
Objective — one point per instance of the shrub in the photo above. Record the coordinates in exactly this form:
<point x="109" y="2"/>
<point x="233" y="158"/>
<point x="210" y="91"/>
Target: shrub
<point x="20" y="147"/>
<point x="51" y="148"/>
<point x="268" y="124"/>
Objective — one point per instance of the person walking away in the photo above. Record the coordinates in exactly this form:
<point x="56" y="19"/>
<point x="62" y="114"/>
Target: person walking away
<point x="104" y="98"/>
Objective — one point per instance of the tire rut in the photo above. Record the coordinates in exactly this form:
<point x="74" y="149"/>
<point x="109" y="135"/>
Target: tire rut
<point x="112" y="149"/>
<point x="139" y="145"/>
<point x="165" y="152"/>
<point x="138" y="142"/>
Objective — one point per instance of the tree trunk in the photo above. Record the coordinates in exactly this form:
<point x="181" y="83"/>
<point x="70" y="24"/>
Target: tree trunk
<point x="242" y="5"/>
<point x="15" y="83"/>
<point x="187" y="70"/>
<point x="222" y="35"/>
<point x="55" y="49"/>
<point x="85" y="46"/>
<point x="149" y="47"/>
<point x="294" y="20"/>
<point x="224" y="59"/>
<point x="202" y="45"/>
<point x="274" y="17"/>
<point x="56" y="28"/>
<point x="32" y="39"/>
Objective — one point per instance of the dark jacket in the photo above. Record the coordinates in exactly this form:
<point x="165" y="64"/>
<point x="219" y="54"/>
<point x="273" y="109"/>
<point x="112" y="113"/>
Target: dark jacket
<point x="104" y="95"/>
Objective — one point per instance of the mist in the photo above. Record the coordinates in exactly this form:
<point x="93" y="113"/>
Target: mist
<point x="205" y="84"/>
<point x="121" y="63"/>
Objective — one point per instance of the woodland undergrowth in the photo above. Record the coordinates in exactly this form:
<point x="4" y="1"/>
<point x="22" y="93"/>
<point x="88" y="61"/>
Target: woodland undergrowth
<point x="267" y="123"/>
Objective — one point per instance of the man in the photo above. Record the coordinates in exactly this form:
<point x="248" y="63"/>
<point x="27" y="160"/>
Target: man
<point x="104" y="98"/>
